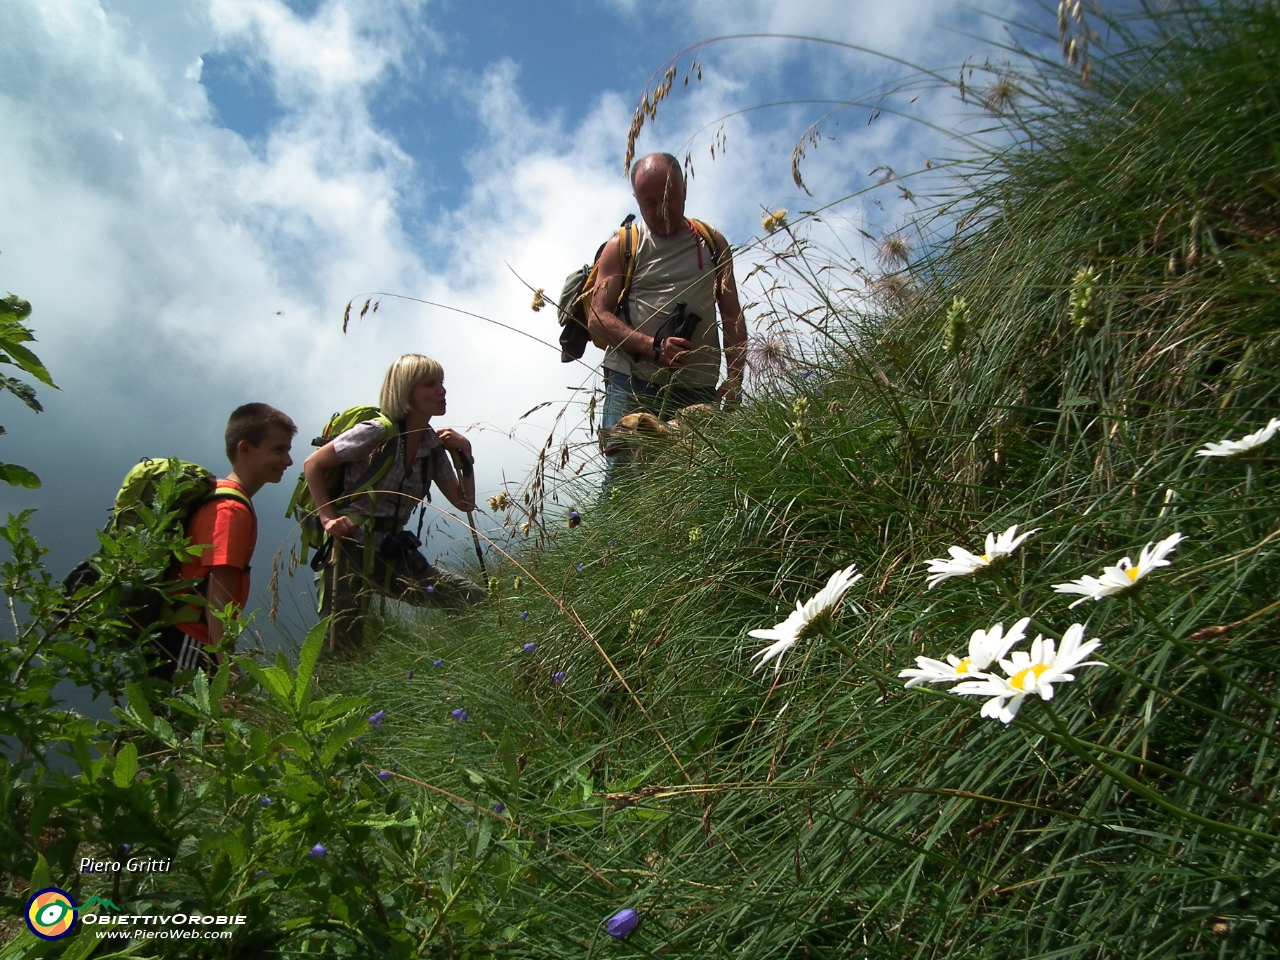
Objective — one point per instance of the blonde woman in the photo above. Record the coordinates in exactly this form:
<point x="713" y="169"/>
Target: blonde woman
<point x="371" y="549"/>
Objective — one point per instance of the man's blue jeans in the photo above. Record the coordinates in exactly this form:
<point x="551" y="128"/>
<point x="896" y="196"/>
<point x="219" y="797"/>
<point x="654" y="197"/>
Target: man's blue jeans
<point x="624" y="394"/>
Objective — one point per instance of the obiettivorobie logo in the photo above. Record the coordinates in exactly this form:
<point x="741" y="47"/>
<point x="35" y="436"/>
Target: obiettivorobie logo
<point x="51" y="913"/>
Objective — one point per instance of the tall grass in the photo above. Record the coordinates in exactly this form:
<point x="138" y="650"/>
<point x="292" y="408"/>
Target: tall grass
<point x="1107" y="304"/>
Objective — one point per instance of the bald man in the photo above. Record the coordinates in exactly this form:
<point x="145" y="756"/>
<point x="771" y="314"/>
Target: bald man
<point x="646" y="366"/>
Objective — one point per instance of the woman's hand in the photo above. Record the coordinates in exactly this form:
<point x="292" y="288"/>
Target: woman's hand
<point x="453" y="440"/>
<point x="340" y="527"/>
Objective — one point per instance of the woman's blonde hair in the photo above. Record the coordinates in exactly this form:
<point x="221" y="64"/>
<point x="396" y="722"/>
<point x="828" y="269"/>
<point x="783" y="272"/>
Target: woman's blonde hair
<point x="404" y="375"/>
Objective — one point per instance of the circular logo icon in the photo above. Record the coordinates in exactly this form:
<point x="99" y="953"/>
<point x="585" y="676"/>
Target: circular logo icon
<point x="51" y="913"/>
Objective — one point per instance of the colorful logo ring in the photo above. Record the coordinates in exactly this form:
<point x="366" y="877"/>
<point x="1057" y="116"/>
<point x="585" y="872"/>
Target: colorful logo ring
<point x="51" y="913"/>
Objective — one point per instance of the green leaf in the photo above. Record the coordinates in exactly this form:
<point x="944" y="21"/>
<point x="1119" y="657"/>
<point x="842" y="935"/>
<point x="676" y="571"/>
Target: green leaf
<point x="307" y="662"/>
<point x="139" y="704"/>
<point x="71" y="651"/>
<point x="354" y="724"/>
<point x="295" y="742"/>
<point x="82" y="946"/>
<point x="221" y="873"/>
<point x="272" y="680"/>
<point x="41" y="877"/>
<point x="29" y="362"/>
<point x="200" y="689"/>
<point x="221" y="680"/>
<point x="126" y="765"/>
<point x="17" y="476"/>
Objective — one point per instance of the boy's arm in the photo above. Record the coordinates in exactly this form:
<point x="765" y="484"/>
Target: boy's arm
<point x="219" y="592"/>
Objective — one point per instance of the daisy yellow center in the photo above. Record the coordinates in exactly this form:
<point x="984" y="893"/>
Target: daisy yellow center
<point x="964" y="666"/>
<point x="986" y="558"/>
<point x="1019" y="679"/>
<point x="1132" y="573"/>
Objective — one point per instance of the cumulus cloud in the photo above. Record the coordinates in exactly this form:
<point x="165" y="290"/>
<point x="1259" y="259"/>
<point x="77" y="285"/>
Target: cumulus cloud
<point x="178" y="268"/>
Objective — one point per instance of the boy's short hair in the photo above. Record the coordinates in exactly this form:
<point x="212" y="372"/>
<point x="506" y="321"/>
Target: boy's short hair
<point x="252" y="422"/>
<point x="404" y="375"/>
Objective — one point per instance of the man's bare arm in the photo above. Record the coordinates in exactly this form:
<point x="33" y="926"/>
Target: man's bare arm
<point x="732" y="323"/>
<point x="604" y="324"/>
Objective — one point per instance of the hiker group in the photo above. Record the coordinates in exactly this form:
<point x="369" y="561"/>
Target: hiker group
<point x="649" y="301"/>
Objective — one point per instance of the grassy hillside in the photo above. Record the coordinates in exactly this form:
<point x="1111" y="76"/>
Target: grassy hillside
<point x="1106" y="304"/>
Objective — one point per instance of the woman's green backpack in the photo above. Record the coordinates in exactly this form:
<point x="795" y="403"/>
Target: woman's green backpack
<point x="303" y="509"/>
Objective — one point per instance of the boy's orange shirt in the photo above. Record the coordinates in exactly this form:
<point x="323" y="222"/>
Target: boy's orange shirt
<point x="230" y="528"/>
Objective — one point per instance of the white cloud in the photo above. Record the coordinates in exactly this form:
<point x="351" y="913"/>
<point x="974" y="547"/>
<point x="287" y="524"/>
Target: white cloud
<point x="178" y="270"/>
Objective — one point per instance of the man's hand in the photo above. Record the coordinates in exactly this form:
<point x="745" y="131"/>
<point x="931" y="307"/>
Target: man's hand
<point x="729" y="393"/>
<point x="675" y="352"/>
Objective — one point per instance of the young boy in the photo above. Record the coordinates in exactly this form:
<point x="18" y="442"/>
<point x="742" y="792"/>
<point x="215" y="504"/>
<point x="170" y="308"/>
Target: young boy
<point x="258" y="439"/>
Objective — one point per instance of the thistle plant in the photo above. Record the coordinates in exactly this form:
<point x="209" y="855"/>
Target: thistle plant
<point x="956" y="328"/>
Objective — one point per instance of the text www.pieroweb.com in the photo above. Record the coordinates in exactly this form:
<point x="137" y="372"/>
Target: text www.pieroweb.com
<point x="179" y="926"/>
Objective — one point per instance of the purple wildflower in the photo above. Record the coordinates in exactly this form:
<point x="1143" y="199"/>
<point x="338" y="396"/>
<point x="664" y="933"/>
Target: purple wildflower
<point x="384" y="774"/>
<point x="613" y="542"/>
<point x="530" y="647"/>
<point x="581" y="565"/>
<point x="557" y="676"/>
<point x="460" y="715"/>
<point x="622" y="923"/>
<point x="318" y="851"/>
<point x="806" y="375"/>
<point x="499" y="807"/>
<point x="411" y="673"/>
<point x="524" y="614"/>
<point x="437" y="664"/>
<point x="260" y="874"/>
<point x="265" y="801"/>
<point x="126" y="847"/>
<point x="431" y="588"/>
<point x="377" y="718"/>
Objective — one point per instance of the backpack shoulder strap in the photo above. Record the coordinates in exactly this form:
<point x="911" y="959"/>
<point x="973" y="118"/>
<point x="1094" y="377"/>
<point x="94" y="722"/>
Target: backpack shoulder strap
<point x="230" y="493"/>
<point x="389" y="427"/>
<point x="383" y="457"/>
<point x="628" y="239"/>
<point x="708" y="235"/>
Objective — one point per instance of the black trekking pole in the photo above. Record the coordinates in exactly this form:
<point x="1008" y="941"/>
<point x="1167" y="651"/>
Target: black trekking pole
<point x="471" y="520"/>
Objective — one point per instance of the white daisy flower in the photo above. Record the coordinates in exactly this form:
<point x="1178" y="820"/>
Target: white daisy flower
<point x="1233" y="448"/>
<point x="1123" y="575"/>
<point x="963" y="563"/>
<point x="805" y="620"/>
<point x="985" y="648"/>
<point x="1028" y="672"/>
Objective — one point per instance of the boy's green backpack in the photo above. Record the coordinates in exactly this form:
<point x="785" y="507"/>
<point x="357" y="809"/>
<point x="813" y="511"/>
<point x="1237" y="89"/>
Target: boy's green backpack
<point x="187" y="487"/>
<point x="192" y="484"/>
<point x="301" y="506"/>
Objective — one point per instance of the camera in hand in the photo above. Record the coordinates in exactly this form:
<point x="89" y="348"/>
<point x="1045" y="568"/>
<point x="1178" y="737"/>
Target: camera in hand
<point x="402" y="549"/>
<point x="683" y="323"/>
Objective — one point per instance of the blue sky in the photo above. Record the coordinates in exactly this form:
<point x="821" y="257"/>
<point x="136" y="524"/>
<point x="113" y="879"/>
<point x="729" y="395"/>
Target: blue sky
<point x="194" y="189"/>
